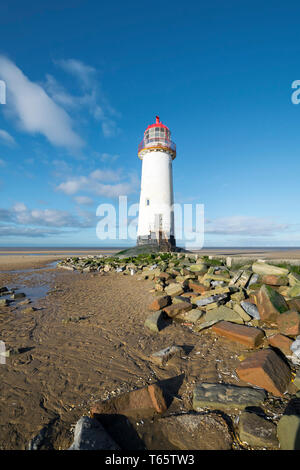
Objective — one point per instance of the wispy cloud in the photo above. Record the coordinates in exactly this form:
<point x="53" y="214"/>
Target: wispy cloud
<point x="36" y="112"/>
<point x="92" y="96"/>
<point x="7" y="138"/>
<point x="83" y="200"/>
<point x="105" y="183"/>
<point x="245" y="226"/>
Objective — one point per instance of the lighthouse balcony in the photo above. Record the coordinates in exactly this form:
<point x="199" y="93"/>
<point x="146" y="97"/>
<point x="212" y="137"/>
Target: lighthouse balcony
<point x="157" y="144"/>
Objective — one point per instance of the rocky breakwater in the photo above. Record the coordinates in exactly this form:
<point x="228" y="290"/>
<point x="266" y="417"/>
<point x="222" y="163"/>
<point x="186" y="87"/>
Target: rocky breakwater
<point x="255" y="307"/>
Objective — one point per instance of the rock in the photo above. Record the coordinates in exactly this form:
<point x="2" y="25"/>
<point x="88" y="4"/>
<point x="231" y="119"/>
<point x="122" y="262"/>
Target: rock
<point x="180" y="298"/>
<point x="238" y="296"/>
<point x="288" y="432"/>
<point x="157" y="321"/>
<point x="198" y="268"/>
<point x="273" y="280"/>
<point x="289" y="323"/>
<point x="4" y="302"/>
<point x="225" y="397"/>
<point x="267" y="370"/>
<point x="270" y="304"/>
<point x="282" y="343"/>
<point x="294" y="291"/>
<point x="89" y="434"/>
<point x="237" y="308"/>
<point x="190" y="317"/>
<point x="297" y="380"/>
<point x="163" y="356"/>
<point x="294" y="279"/>
<point x="174" y="289"/>
<point x="235" y="278"/>
<point x="18" y="295"/>
<point x="250" y="309"/>
<point x="176" y="309"/>
<point x="204" y="325"/>
<point x="192" y="431"/>
<point x="144" y="402"/>
<point x="160" y="303"/>
<point x="254" y="279"/>
<point x="266" y="269"/>
<point x="211" y="299"/>
<point x="257" y="431"/>
<point x="294" y="304"/>
<point x="197" y="287"/>
<point x="295" y="347"/>
<point x="223" y="313"/>
<point x="244" y="279"/>
<point x="247" y="335"/>
<point x="3" y="290"/>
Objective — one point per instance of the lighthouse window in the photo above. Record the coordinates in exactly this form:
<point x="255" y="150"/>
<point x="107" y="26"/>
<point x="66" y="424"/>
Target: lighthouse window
<point x="147" y="202"/>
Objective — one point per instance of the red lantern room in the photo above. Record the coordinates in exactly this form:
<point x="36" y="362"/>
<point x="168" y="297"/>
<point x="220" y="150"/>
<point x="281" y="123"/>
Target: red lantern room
<point x="157" y="137"/>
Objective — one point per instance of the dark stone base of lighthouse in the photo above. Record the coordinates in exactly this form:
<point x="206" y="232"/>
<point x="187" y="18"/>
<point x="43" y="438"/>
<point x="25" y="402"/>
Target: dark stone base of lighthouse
<point x="159" y="241"/>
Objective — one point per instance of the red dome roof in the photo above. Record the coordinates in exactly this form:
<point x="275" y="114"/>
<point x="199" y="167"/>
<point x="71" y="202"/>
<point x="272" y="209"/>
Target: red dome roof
<point x="157" y="124"/>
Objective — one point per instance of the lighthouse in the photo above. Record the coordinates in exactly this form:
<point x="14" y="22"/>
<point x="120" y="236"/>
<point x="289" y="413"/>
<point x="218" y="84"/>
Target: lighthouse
<point x="156" y="214"/>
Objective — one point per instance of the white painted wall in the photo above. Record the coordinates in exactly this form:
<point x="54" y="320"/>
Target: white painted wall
<point x="157" y="187"/>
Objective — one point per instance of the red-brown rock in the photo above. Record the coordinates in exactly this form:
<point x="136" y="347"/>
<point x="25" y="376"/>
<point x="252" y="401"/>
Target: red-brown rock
<point x="294" y="304"/>
<point x="273" y="280"/>
<point x="282" y="343"/>
<point x="267" y="370"/>
<point x="160" y="303"/>
<point x="197" y="287"/>
<point x="247" y="335"/>
<point x="144" y="402"/>
<point x="289" y="323"/>
<point x="270" y="304"/>
<point x="176" y="309"/>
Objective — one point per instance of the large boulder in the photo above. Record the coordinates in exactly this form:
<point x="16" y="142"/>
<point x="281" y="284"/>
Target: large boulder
<point x="195" y="431"/>
<point x="257" y="431"/>
<point x="266" y="269"/>
<point x="225" y="397"/>
<point x="267" y="370"/>
<point x="270" y="304"/>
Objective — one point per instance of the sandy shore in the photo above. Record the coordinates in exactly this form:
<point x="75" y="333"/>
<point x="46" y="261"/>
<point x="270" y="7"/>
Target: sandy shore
<point x="34" y="259"/>
<point x="82" y="343"/>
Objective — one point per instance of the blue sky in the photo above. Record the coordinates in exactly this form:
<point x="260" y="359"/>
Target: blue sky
<point x="85" y="78"/>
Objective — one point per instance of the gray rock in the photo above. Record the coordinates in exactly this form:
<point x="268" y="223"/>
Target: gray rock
<point x="254" y="279"/>
<point x="89" y="434"/>
<point x="211" y="299"/>
<point x="18" y="295"/>
<point x="223" y="313"/>
<point x="251" y="309"/>
<point x="156" y="322"/>
<point x="225" y="396"/>
<point x="164" y="355"/>
<point x="288" y="432"/>
<point x="257" y="431"/>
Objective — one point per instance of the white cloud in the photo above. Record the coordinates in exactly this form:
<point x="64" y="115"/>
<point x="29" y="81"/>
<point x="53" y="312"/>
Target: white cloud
<point x="97" y="183"/>
<point x="244" y="226"/>
<point x="35" y="111"/>
<point x="6" y="137"/>
<point x="84" y="200"/>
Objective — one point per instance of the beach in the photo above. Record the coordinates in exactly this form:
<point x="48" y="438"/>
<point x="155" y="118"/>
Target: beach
<point x="82" y="339"/>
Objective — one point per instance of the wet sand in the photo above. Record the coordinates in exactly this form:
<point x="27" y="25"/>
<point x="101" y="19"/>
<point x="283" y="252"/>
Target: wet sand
<point x="87" y="341"/>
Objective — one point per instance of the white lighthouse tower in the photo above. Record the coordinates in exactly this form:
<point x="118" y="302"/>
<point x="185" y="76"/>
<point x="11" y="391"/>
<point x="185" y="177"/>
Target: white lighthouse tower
<point x="156" y="215"/>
